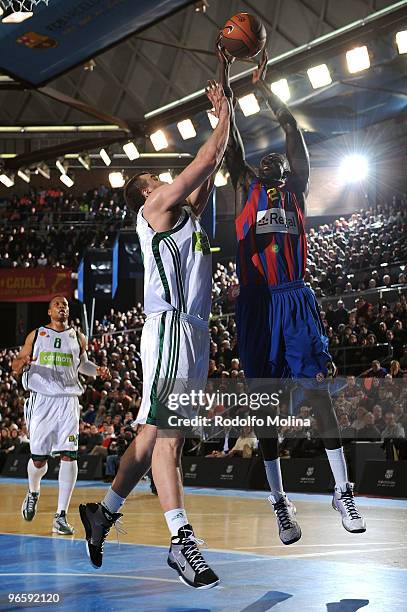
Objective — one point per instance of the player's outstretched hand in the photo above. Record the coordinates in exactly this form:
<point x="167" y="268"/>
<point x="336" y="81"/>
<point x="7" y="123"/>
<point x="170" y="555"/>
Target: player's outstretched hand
<point x="103" y="372"/>
<point x="217" y="98"/>
<point x="260" y="73"/>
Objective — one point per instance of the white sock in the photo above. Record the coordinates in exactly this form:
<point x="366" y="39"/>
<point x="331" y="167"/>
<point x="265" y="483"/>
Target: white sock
<point x="175" y="519"/>
<point x="274" y="478"/>
<point x="34" y="476"/>
<point x="68" y="473"/>
<point x="337" y="462"/>
<point x="113" y="502"/>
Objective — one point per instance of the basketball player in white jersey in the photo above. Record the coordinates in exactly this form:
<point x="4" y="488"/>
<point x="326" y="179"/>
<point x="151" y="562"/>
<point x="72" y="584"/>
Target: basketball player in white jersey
<point x="174" y="343"/>
<point x="49" y="362"/>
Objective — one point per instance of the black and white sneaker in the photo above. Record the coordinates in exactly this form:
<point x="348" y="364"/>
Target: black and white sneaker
<point x="288" y="528"/>
<point x="97" y="521"/>
<point x="185" y="558"/>
<point x="61" y="526"/>
<point x="344" y="502"/>
<point x="29" y="507"/>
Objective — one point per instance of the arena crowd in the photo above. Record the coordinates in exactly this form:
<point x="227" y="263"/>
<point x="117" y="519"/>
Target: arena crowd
<point x="367" y="336"/>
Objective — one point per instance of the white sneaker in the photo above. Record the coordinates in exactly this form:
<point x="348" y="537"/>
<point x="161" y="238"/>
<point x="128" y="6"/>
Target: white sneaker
<point x="344" y="502"/>
<point x="288" y="528"/>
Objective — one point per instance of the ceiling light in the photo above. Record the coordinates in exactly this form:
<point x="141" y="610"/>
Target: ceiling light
<point x="186" y="129"/>
<point x="281" y="89"/>
<point x="353" y="168"/>
<point x="358" y="59"/>
<point x="401" y="40"/>
<point x="44" y="170"/>
<point x="249" y="105"/>
<point x="131" y="150"/>
<point x="66" y="180"/>
<point x="16" y="13"/>
<point x="105" y="156"/>
<point x="116" y="179"/>
<point x="319" y="76"/>
<point x="165" y="177"/>
<point x="84" y="159"/>
<point x="212" y="119"/>
<point x="24" y="174"/>
<point x="221" y="179"/>
<point x="7" y="178"/>
<point x="62" y="165"/>
<point x="159" y="140"/>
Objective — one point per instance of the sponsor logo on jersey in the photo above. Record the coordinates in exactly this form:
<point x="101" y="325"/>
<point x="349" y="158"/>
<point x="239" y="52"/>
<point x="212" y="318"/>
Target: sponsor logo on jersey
<point x="56" y="359"/>
<point x="43" y="333"/>
<point x="200" y="243"/>
<point x="276" y="220"/>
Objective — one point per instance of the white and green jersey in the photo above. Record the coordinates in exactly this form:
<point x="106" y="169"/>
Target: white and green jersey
<point x="177" y="267"/>
<point x="54" y="370"/>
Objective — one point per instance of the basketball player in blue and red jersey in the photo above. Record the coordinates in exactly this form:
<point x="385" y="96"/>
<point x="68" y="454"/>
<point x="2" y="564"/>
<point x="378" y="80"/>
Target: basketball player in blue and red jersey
<point x="280" y="333"/>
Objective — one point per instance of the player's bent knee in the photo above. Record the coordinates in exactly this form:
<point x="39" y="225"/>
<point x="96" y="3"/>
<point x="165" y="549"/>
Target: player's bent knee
<point x="39" y="460"/>
<point x="69" y="456"/>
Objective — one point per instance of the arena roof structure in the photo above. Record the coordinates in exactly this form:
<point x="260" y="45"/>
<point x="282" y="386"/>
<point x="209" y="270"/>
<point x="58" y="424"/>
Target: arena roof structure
<point x="138" y="67"/>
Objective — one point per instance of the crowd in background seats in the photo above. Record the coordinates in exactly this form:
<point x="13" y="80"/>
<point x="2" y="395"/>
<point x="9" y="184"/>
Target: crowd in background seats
<point x="342" y="257"/>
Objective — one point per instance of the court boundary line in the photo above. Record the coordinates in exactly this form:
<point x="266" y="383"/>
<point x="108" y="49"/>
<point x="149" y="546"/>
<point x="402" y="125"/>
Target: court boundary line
<point x="254" y="556"/>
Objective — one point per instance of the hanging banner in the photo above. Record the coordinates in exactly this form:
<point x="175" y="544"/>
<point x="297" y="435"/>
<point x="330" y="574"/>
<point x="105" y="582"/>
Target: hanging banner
<point x="34" y="284"/>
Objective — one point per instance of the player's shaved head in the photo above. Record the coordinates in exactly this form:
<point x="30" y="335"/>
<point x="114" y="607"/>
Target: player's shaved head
<point x="56" y="297"/>
<point x="133" y="195"/>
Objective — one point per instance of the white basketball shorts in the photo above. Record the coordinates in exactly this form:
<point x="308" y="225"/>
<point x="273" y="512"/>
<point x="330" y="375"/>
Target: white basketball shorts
<point x="175" y="356"/>
<point x="52" y="422"/>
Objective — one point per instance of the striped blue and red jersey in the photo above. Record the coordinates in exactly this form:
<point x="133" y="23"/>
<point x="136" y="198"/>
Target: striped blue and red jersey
<point x="272" y="246"/>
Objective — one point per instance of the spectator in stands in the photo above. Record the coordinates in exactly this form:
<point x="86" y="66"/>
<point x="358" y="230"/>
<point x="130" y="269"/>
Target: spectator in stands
<point x="359" y="422"/>
<point x="392" y="429"/>
<point x="369" y="431"/>
<point x="346" y="430"/>
<point x="375" y="371"/>
<point x="378" y="417"/>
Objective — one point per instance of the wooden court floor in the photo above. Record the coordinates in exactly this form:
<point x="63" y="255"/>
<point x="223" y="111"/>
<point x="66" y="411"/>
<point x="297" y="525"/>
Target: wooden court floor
<point x="233" y="521"/>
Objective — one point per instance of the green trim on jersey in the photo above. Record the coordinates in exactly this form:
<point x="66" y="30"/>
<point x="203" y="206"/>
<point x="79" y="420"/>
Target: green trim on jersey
<point x="176" y="258"/>
<point x="151" y="419"/>
<point x="155" y="245"/>
<point x="170" y="375"/>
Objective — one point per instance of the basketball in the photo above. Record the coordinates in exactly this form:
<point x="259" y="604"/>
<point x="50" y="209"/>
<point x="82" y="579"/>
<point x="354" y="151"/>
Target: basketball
<point x="243" y="35"/>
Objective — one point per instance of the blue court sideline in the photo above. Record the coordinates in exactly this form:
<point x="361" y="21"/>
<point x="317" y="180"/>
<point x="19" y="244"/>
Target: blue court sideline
<point x="136" y="577"/>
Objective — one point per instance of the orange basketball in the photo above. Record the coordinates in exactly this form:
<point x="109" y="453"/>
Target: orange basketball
<point x="243" y="35"/>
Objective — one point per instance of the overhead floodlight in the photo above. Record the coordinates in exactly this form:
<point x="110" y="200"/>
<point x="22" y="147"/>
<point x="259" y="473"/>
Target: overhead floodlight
<point x="105" y="156"/>
<point x="249" y="105"/>
<point x="212" y="119"/>
<point x="84" y="159"/>
<point x="281" y="89"/>
<point x="159" y="140"/>
<point x="116" y="179"/>
<point x="44" y="170"/>
<point x="66" y="180"/>
<point x="358" y="59"/>
<point x="62" y="164"/>
<point x="401" y="40"/>
<point x="353" y="168"/>
<point x="7" y="178"/>
<point x="16" y="13"/>
<point x="221" y="179"/>
<point x="186" y="129"/>
<point x="24" y="174"/>
<point x="319" y="76"/>
<point x="166" y="177"/>
<point x="131" y="150"/>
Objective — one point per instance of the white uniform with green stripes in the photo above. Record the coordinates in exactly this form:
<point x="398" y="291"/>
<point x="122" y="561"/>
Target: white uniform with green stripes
<point x="177" y="301"/>
<point x="52" y="410"/>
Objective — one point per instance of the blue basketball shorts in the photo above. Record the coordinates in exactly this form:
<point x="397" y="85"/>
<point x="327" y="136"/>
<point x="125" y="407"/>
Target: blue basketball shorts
<point x="280" y="333"/>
